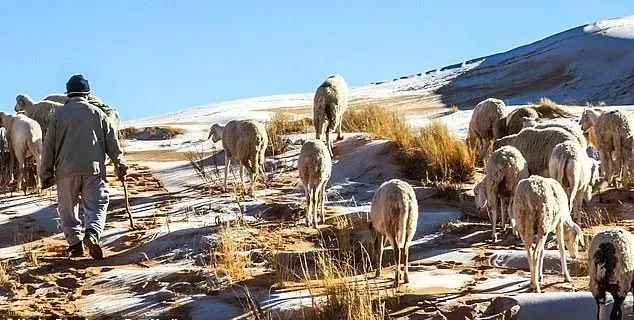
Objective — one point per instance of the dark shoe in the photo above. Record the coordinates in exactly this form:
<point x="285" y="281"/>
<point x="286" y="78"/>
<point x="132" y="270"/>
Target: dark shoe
<point x="91" y="241"/>
<point x="75" y="251"/>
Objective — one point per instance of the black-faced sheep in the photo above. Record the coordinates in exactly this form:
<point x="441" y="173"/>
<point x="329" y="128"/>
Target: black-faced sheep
<point x="42" y="111"/>
<point x="614" y="140"/>
<point x="576" y="172"/>
<point x="505" y="168"/>
<point x="394" y="214"/>
<point x="243" y="141"/>
<point x="314" y="166"/>
<point x="611" y="268"/>
<point x="540" y="206"/>
<point x="25" y="138"/>
<point x="330" y="102"/>
<point x="486" y="125"/>
<point x="536" y="145"/>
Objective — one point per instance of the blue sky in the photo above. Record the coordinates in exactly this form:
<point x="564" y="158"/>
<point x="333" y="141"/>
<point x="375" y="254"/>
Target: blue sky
<point x="149" y="57"/>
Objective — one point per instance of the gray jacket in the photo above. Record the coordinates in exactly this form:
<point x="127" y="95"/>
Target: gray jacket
<point x="77" y="140"/>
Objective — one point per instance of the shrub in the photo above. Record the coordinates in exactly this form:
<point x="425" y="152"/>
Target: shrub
<point x="430" y="154"/>
<point x="279" y="126"/>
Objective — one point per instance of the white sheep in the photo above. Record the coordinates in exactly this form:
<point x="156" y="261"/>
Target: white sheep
<point x="487" y="124"/>
<point x="505" y="168"/>
<point x="25" y="139"/>
<point x="42" y="111"/>
<point x="540" y="206"/>
<point x="516" y="118"/>
<point x="614" y="138"/>
<point x="611" y="268"/>
<point x="314" y="166"/>
<point x="536" y="145"/>
<point x="330" y="102"/>
<point x="576" y="172"/>
<point x="394" y="214"/>
<point x="567" y="125"/>
<point x="243" y="141"/>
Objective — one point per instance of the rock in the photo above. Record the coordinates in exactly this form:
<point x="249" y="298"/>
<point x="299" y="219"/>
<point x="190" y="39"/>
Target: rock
<point x="165" y="295"/>
<point x="68" y="282"/>
<point x="438" y="316"/>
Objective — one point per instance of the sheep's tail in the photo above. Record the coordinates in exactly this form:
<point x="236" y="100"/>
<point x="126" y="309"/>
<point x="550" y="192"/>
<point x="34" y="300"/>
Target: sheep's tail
<point x="605" y="260"/>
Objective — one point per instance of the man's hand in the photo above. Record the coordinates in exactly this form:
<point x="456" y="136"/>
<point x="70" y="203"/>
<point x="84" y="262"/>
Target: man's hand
<point x="121" y="170"/>
<point x="48" y="182"/>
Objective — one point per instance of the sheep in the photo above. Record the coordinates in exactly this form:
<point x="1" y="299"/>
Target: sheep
<point x="536" y="145"/>
<point x="613" y="135"/>
<point x="611" y="268"/>
<point x="314" y="166"/>
<point x="540" y="206"/>
<point x="567" y="125"/>
<point x="244" y="141"/>
<point x="330" y="102"/>
<point x="516" y="118"/>
<point x="505" y="168"/>
<point x="487" y="124"/>
<point x="394" y="214"/>
<point x="576" y="172"/>
<point x="42" y="111"/>
<point x="63" y="98"/>
<point x="25" y="139"/>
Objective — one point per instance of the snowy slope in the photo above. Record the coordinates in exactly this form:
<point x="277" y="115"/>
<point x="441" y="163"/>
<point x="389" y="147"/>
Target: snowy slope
<point x="593" y="62"/>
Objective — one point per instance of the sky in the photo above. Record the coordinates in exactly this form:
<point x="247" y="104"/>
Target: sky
<point x="153" y="57"/>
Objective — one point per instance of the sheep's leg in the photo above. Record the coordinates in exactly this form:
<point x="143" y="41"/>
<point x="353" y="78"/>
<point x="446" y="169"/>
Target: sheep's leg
<point x="329" y="142"/>
<point x="504" y="204"/>
<point x="541" y="243"/>
<point x="600" y="299"/>
<point x="339" y="134"/>
<point x="379" y="253"/>
<point x="227" y="166"/>
<point x="616" y="313"/>
<point x="314" y="204"/>
<point x="397" y="262"/>
<point x="322" y="202"/>
<point x="308" y="205"/>
<point x="494" y="218"/>
<point x="562" y="252"/>
<point x="244" y="187"/>
<point x="406" y="258"/>
<point x="530" y="252"/>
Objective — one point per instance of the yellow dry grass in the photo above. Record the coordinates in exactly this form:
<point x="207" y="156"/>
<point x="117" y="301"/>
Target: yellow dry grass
<point x="279" y="126"/>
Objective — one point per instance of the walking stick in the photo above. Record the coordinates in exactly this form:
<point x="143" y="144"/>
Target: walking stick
<point x="127" y="201"/>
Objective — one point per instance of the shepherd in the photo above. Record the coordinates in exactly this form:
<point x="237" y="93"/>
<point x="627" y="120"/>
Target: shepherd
<point x="78" y="139"/>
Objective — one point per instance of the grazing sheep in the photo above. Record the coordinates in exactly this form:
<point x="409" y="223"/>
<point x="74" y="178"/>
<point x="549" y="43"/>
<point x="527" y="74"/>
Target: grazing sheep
<point x="330" y="102"/>
<point x="25" y="138"/>
<point x="314" y="166"/>
<point x="63" y="98"/>
<point x="540" y="206"/>
<point x="505" y="168"/>
<point x="487" y="124"/>
<point x="244" y="141"/>
<point x="613" y="136"/>
<point x="563" y="124"/>
<point x="576" y="172"/>
<point x="536" y="145"/>
<point x="515" y="119"/>
<point x="59" y="98"/>
<point x="42" y="111"/>
<point x="394" y="214"/>
<point x="611" y="268"/>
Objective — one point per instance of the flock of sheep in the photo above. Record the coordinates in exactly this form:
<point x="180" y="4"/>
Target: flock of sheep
<point x="539" y="178"/>
<point x="538" y="175"/>
<point x="24" y="132"/>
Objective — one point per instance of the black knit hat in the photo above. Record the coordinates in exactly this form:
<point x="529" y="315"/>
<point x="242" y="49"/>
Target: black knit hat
<point x="77" y="84"/>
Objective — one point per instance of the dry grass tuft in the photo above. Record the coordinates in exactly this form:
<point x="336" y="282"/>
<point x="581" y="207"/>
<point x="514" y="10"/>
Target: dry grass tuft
<point x="453" y="109"/>
<point x="547" y="108"/>
<point x="5" y="273"/>
<point x="151" y="133"/>
<point x="431" y="154"/>
<point x="279" y="126"/>
<point x="230" y="255"/>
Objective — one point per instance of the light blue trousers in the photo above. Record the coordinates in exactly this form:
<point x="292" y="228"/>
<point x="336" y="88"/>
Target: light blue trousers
<point x="93" y="194"/>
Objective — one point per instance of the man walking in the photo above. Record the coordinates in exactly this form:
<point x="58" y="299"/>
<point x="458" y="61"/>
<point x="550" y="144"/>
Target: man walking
<point x="78" y="138"/>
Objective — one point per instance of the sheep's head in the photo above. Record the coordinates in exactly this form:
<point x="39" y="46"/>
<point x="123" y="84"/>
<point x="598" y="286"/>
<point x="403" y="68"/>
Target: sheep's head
<point x="573" y="238"/>
<point x="595" y="179"/>
<point x="588" y="118"/>
<point x="215" y="133"/>
<point x="22" y="101"/>
<point x="480" y="195"/>
<point x="528" y="122"/>
<point x="3" y="120"/>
